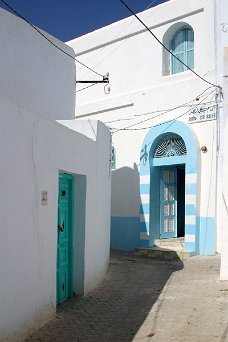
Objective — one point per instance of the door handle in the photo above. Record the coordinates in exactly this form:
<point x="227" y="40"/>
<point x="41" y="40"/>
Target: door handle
<point x="61" y="227"/>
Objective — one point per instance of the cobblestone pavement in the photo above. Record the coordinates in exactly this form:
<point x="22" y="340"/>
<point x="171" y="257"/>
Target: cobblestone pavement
<point x="147" y="300"/>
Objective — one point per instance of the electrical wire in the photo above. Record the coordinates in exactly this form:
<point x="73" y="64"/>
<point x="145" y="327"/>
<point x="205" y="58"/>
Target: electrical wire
<point x="91" y="85"/>
<point x="170" y="52"/>
<point x="113" y="39"/>
<point x="161" y="111"/>
<point x="168" y="111"/>
<point x="115" y="130"/>
<point x="49" y="40"/>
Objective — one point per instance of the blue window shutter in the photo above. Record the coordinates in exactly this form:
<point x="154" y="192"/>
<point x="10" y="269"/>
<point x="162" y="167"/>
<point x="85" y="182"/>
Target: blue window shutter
<point x="183" y="48"/>
<point x="190" y="48"/>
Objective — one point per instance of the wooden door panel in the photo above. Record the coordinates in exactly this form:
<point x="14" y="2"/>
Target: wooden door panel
<point x="168" y="212"/>
<point x="64" y="235"/>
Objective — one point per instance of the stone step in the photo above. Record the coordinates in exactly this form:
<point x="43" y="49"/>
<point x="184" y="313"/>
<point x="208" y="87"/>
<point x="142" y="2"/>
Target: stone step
<point x="162" y="253"/>
<point x="176" y="244"/>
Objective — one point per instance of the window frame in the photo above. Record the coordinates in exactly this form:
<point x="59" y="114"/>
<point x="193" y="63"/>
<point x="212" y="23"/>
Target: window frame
<point x="186" y="50"/>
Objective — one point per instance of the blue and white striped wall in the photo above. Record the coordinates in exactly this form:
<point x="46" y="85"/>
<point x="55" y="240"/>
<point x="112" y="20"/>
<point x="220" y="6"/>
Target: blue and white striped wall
<point x="199" y="231"/>
<point x="144" y="210"/>
<point x="190" y="211"/>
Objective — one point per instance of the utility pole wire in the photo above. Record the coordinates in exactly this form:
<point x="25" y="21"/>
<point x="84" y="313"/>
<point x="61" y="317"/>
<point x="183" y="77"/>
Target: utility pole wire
<point x="49" y="40"/>
<point x="170" y="52"/>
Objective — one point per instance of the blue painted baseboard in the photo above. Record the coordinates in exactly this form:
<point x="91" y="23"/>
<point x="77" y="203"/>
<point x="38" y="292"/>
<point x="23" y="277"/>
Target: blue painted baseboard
<point x="205" y="244"/>
<point x="125" y="233"/>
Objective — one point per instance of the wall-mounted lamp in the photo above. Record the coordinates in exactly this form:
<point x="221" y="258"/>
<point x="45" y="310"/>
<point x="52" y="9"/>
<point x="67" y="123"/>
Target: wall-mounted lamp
<point x="204" y="149"/>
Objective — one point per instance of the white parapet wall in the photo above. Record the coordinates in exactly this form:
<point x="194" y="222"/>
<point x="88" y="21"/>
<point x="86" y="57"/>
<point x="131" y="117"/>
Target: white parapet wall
<point x="33" y="150"/>
<point x="34" y="72"/>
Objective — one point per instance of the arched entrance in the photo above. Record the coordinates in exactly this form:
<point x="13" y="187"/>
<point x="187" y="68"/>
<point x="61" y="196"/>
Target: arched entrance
<point x="168" y="185"/>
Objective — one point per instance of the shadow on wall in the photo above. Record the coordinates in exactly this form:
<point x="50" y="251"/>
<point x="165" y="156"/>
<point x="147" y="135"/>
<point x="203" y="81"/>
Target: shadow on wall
<point x="125" y="220"/>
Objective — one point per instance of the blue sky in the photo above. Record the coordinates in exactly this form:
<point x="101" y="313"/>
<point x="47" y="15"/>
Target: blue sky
<point x="68" y="19"/>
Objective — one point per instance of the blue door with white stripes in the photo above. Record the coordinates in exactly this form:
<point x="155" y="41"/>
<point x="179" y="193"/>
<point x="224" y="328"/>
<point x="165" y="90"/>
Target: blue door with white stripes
<point x="168" y="202"/>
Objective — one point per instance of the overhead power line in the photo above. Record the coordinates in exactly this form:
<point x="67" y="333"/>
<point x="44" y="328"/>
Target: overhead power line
<point x="129" y="128"/>
<point x="116" y="37"/>
<point x="49" y="40"/>
<point x="160" y="112"/>
<point x="89" y="86"/>
<point x="170" y="52"/>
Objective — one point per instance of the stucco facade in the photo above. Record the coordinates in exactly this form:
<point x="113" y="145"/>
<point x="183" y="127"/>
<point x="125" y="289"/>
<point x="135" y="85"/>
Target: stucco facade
<point x="224" y="193"/>
<point x="36" y="90"/>
<point x="147" y="103"/>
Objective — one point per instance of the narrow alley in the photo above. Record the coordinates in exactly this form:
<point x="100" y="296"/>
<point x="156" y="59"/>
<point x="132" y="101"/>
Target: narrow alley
<point x="147" y="300"/>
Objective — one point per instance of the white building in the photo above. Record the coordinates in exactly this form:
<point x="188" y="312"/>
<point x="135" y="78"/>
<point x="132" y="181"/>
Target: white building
<point x="166" y="122"/>
<point x="224" y="171"/>
<point x="55" y="183"/>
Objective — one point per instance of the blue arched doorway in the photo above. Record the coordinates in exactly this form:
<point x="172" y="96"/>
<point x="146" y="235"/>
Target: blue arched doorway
<point x="168" y="185"/>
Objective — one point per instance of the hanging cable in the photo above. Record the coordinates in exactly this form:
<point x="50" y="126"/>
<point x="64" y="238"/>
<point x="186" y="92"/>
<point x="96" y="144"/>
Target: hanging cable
<point x="116" y="36"/>
<point x="49" y="40"/>
<point x="160" y="112"/>
<point x="115" y="130"/>
<point x="91" y="85"/>
<point x="170" y="52"/>
<point x="168" y="111"/>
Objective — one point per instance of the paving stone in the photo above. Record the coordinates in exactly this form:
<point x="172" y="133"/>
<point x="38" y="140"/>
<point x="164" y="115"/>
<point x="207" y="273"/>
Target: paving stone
<point x="147" y="300"/>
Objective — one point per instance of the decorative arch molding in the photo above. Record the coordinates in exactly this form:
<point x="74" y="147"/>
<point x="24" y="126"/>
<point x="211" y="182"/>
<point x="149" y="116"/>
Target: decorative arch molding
<point x="167" y="41"/>
<point x="150" y="180"/>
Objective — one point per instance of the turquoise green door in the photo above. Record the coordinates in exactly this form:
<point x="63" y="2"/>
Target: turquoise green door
<point x="65" y="235"/>
<point x="168" y="202"/>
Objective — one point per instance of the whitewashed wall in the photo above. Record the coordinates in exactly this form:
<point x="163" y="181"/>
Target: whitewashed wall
<point x="33" y="150"/>
<point x="138" y="88"/>
<point x="32" y="71"/>
<point x="224" y="206"/>
<point x="37" y="86"/>
<point x="221" y="40"/>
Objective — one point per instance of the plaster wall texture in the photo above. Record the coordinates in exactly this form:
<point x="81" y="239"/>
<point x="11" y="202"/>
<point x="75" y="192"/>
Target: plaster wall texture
<point x="31" y="69"/>
<point x="221" y="40"/>
<point x="224" y="227"/>
<point x="140" y="91"/>
<point x="33" y="151"/>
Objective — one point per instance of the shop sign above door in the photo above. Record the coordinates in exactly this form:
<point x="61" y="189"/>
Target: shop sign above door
<point x="201" y="113"/>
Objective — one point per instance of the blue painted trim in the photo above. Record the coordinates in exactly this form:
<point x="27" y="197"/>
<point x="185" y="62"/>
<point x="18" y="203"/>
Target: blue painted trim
<point x="144" y="188"/>
<point x="189" y="246"/>
<point x="190" y="189"/>
<point x="125" y="233"/>
<point x="145" y="208"/>
<point x="144" y="244"/>
<point x="175" y="160"/>
<point x="190" y="228"/>
<point x="190" y="209"/>
<point x="206" y="235"/>
<point x="150" y="166"/>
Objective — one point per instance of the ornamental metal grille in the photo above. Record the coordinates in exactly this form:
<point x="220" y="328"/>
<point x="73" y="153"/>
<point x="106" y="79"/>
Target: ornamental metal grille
<point x="170" y="145"/>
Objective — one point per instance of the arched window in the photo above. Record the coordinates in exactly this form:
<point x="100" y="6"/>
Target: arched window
<point x="170" y="145"/>
<point x="182" y="47"/>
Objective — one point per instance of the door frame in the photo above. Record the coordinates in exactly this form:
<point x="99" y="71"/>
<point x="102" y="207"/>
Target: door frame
<point x="63" y="175"/>
<point x="168" y="234"/>
<point x="149" y="177"/>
